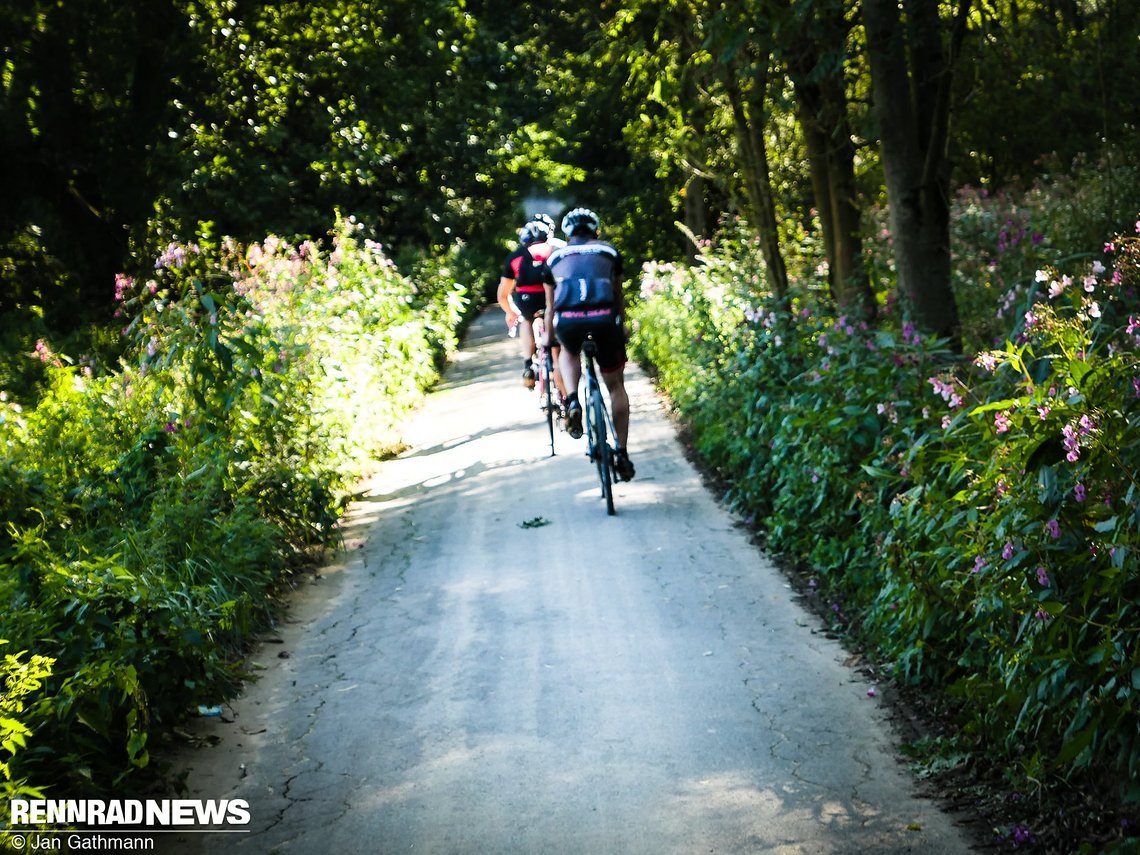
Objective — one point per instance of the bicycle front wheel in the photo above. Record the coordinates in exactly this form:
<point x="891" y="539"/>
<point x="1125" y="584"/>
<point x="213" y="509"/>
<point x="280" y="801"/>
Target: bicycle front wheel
<point x="602" y="456"/>
<point x="548" y="395"/>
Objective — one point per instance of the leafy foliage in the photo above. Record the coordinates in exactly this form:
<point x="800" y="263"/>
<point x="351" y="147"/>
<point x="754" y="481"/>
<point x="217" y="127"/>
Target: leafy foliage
<point x="974" y="523"/>
<point x="154" y="510"/>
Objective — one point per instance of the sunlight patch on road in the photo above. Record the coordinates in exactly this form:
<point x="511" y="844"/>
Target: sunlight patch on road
<point x="440" y="480"/>
<point x="499" y="585"/>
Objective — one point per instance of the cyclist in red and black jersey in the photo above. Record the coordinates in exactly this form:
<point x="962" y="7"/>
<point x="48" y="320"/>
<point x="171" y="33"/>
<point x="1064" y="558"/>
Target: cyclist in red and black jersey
<point x="583" y="287"/>
<point x="521" y="291"/>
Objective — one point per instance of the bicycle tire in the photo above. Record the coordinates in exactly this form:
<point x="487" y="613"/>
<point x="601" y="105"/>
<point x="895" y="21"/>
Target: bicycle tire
<point x="547" y="372"/>
<point x="602" y="450"/>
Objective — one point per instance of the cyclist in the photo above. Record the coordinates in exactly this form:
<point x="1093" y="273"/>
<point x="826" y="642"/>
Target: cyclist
<point x="583" y="285"/>
<point x="521" y="290"/>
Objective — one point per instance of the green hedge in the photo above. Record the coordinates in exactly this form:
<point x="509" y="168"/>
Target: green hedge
<point x="154" y="510"/>
<point x="974" y="521"/>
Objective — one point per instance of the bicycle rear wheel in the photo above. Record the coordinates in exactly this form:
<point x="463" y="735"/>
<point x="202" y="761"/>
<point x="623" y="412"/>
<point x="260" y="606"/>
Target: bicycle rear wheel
<point x="603" y="459"/>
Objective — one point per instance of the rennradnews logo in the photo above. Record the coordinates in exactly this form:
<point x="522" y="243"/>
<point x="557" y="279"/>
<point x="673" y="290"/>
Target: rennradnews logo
<point x="104" y="813"/>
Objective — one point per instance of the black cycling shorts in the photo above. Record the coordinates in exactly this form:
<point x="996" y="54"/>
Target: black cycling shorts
<point x="529" y="302"/>
<point x="572" y="328"/>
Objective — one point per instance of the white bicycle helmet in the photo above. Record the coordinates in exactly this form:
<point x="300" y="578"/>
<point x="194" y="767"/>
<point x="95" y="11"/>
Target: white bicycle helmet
<point x="545" y="220"/>
<point x="540" y="229"/>
<point x="529" y="234"/>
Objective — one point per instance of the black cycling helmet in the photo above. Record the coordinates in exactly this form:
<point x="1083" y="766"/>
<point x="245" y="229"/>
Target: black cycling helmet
<point x="578" y="220"/>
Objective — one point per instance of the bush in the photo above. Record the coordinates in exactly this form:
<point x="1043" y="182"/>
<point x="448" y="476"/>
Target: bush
<point x="154" y="511"/>
<point x="974" y="523"/>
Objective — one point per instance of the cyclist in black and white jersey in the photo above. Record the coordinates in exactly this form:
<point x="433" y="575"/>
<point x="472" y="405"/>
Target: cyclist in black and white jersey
<point x="583" y="286"/>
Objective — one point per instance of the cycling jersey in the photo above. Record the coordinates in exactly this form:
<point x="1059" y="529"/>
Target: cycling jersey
<point x="524" y="266"/>
<point x="583" y="274"/>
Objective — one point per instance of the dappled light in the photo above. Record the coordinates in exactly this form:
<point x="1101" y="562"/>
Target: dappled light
<point x="877" y="269"/>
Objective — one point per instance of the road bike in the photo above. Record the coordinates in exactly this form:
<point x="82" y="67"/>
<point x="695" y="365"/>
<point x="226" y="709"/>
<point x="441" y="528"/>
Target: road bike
<point x="598" y="421"/>
<point x="543" y="362"/>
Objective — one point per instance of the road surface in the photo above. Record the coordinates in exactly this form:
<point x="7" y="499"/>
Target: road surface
<point x="644" y="683"/>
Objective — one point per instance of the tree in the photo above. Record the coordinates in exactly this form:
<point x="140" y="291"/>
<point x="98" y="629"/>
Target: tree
<point x="816" y="57"/>
<point x="912" y="63"/>
<point x="84" y="109"/>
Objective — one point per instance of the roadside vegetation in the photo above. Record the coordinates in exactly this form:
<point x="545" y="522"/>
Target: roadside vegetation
<point x="889" y="282"/>
<point x="155" y="508"/>
<point x="970" y="520"/>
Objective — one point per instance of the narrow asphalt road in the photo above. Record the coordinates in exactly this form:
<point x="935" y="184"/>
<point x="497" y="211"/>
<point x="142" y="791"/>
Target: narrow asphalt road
<point x="644" y="683"/>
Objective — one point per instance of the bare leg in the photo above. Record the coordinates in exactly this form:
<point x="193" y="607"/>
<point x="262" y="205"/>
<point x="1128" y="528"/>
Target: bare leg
<point x="619" y="402"/>
<point x="571" y="365"/>
<point x="526" y="337"/>
<point x="556" y="353"/>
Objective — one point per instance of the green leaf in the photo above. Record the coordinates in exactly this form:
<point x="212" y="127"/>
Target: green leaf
<point x="996" y="405"/>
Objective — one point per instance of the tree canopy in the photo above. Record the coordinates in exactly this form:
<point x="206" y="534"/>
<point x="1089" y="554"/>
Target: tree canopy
<point x="128" y="124"/>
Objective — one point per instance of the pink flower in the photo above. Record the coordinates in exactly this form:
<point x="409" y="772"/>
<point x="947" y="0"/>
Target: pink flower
<point x="1001" y="422"/>
<point x="1079" y="492"/>
<point x="1043" y="413"/>
<point x="1042" y="577"/>
<point x="1069" y="441"/>
<point x="123" y="284"/>
<point x="1007" y="552"/>
<point x="979" y="563"/>
<point x="1053" y="528"/>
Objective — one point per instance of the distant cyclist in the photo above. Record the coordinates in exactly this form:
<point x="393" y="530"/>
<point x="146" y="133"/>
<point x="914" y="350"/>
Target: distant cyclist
<point x="521" y="292"/>
<point x="583" y="285"/>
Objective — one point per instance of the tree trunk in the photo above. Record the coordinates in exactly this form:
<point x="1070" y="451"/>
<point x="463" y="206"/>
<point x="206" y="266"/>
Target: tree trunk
<point x="815" y="140"/>
<point x="696" y="212"/>
<point x="758" y="179"/>
<point x="913" y="107"/>
<point x="822" y="109"/>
